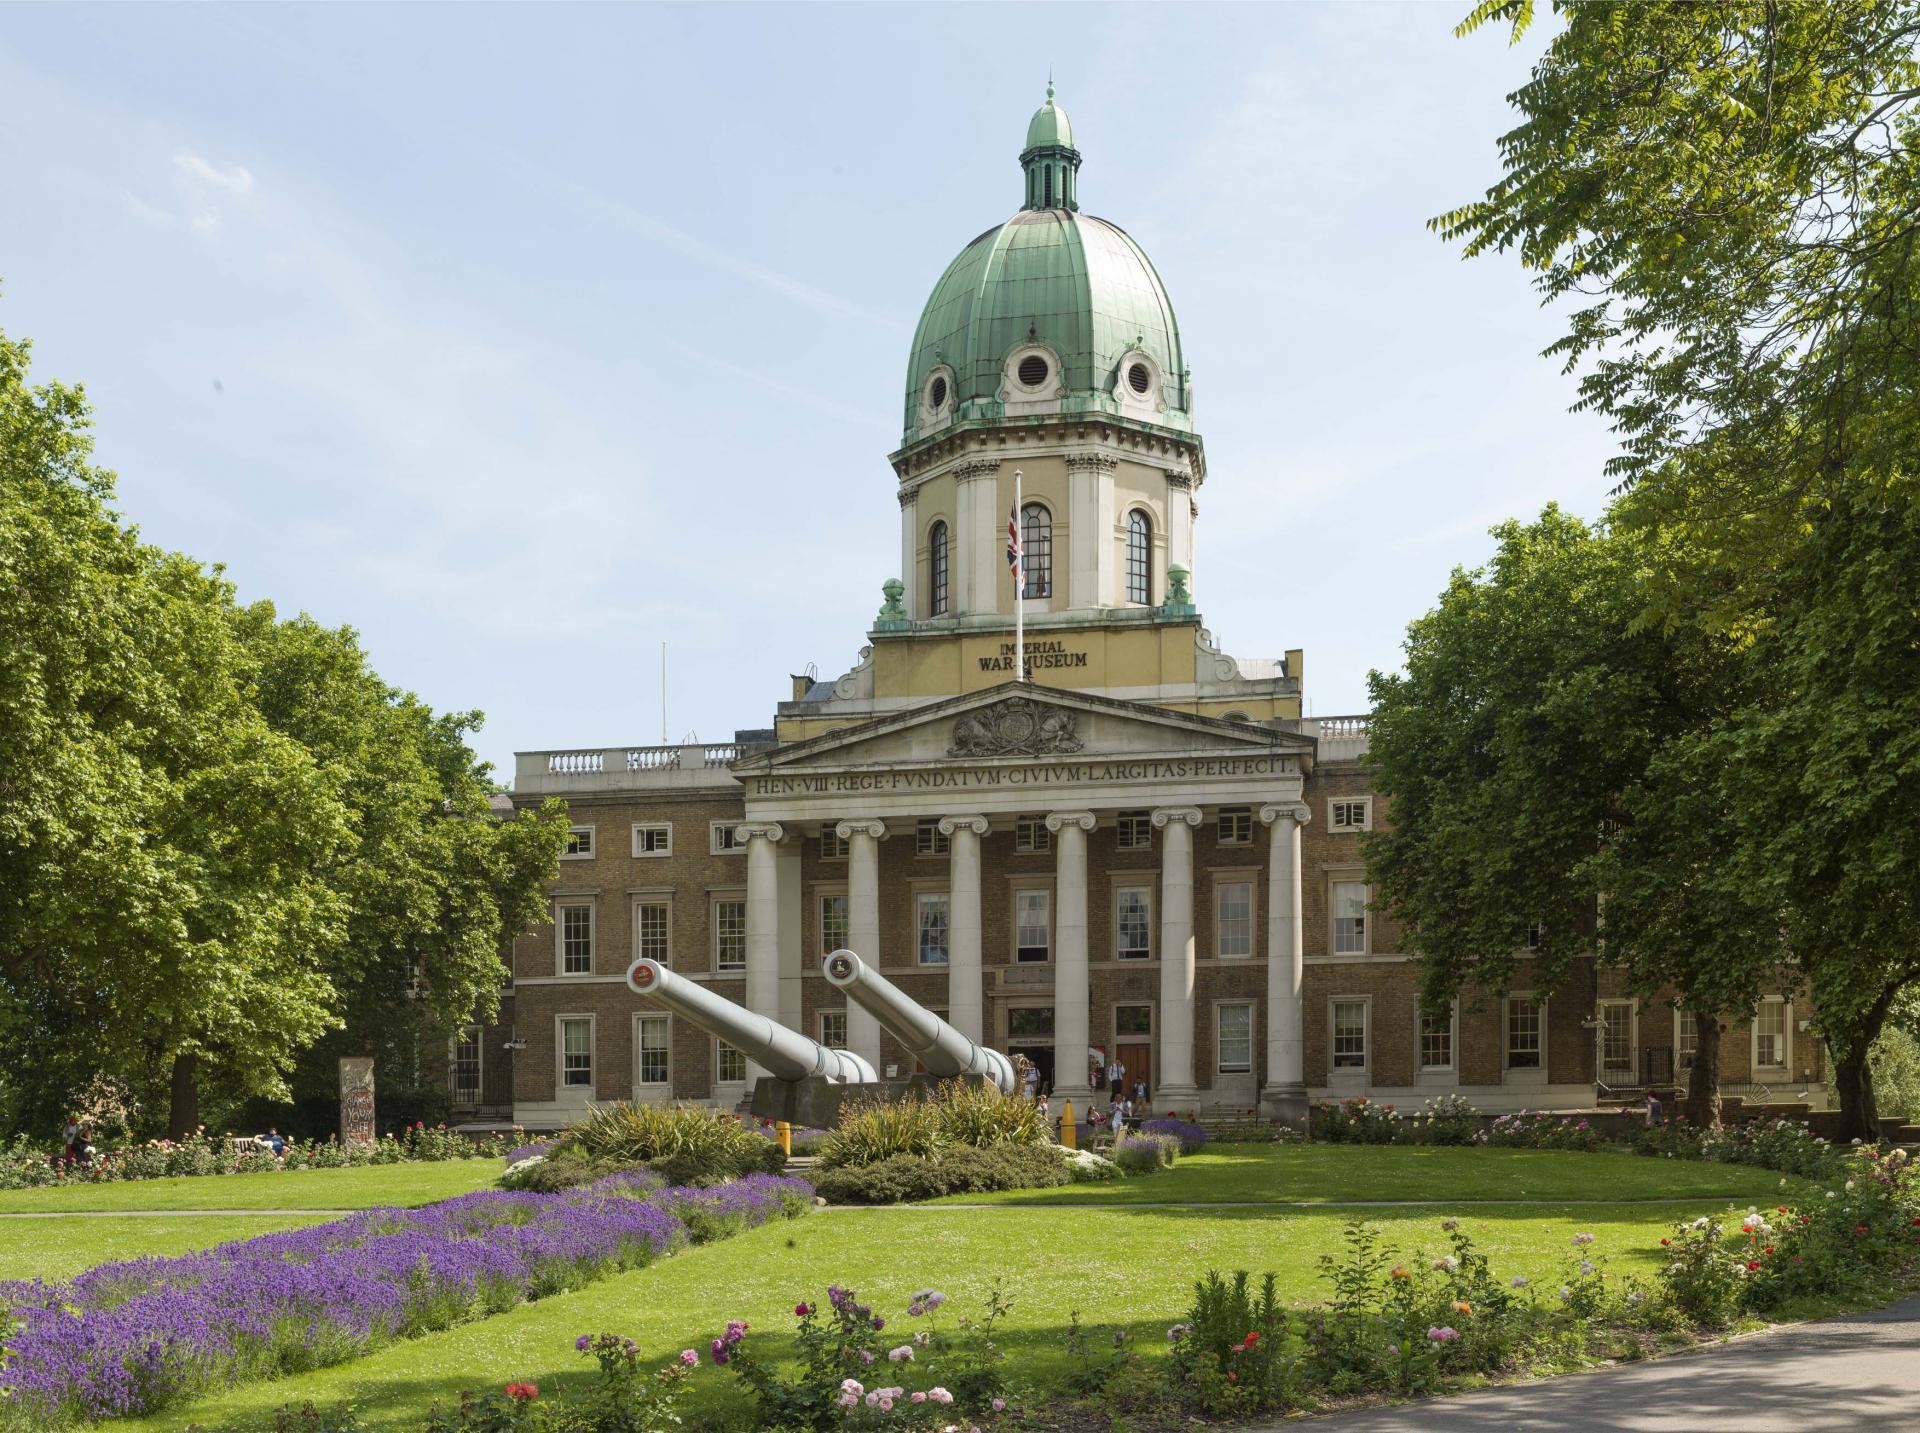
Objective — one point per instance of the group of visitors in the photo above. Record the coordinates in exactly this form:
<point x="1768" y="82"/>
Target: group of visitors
<point x="76" y="1141"/>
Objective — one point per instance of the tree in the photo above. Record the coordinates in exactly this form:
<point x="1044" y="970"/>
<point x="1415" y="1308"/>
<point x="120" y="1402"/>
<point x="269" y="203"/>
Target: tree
<point x="1541" y="755"/>
<point x="221" y="834"/>
<point x="1725" y="196"/>
<point x="160" y="844"/>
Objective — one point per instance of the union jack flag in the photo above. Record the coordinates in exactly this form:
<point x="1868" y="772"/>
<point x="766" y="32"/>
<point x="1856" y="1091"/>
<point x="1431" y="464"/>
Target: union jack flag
<point x="1016" y="551"/>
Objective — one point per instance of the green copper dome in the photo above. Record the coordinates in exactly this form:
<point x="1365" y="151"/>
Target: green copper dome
<point x="1051" y="284"/>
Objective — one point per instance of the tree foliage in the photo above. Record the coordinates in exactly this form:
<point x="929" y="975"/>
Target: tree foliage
<point x="214" y="825"/>
<point x="1725" y="199"/>
<point x="1543" y="752"/>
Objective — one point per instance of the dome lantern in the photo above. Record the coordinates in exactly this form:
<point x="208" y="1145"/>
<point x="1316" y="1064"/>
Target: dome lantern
<point x="1050" y="162"/>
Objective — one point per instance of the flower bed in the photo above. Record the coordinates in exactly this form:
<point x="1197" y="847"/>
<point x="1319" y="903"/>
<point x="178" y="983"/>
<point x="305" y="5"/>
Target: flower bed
<point x="133" y="1337"/>
<point x="26" y="1166"/>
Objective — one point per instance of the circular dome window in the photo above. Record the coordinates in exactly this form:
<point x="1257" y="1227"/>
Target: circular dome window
<point x="1138" y="379"/>
<point x="1033" y="370"/>
<point x="937" y="391"/>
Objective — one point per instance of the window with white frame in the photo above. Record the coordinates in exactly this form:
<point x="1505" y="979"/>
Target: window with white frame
<point x="466" y="1066"/>
<point x="937" y="570"/>
<point x="1133" y="922"/>
<point x="576" y="939"/>
<point x="928" y="840"/>
<point x="1030" y="835"/>
<point x="1036" y="528"/>
<point x="579" y="844"/>
<point x="932" y="924"/>
<point x="1349" y="1047"/>
<point x="1525" y="1034"/>
<point x="1350" y="813"/>
<point x="729" y="933"/>
<point x="729" y="1065"/>
<point x="1436" y="1039"/>
<point x="576" y="1052"/>
<point x="723" y="838"/>
<point x="651" y="1043"/>
<point x="1233" y="825"/>
<point x="653" y="931"/>
<point x="1233" y="1039"/>
<point x="1134" y="831"/>
<point x="1536" y="932"/>
<point x="1349" y="917"/>
<point x="1770" y="1035"/>
<point x="1139" y="557"/>
<point x="833" y="1029"/>
<point x="1233" y="926"/>
<point x="654" y="839"/>
<point x="1033" y="926"/>
<point x="834" y="915"/>
<point x="833" y="846"/>
<point x="1686" y="1039"/>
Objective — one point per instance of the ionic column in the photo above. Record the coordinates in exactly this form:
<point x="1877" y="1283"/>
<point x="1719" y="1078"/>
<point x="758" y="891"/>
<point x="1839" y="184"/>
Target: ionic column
<point x="1070" y="956"/>
<point x="966" y="998"/>
<point x="763" y="921"/>
<point x="863" y="923"/>
<point x="1175" y="1073"/>
<point x="1285" y="1093"/>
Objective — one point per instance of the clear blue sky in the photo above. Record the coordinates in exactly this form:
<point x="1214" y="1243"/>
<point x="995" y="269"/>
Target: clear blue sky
<point x="522" y="338"/>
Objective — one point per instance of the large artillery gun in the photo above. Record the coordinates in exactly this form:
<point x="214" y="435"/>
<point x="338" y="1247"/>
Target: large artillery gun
<point x="943" y="1051"/>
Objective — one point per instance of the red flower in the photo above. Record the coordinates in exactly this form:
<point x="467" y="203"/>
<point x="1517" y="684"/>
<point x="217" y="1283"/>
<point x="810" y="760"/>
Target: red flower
<point x="1769" y="1249"/>
<point x="1859" y="1228"/>
<point x="522" y="1392"/>
<point x="1666" y="1243"/>
<point x="1233" y="1377"/>
<point x="1252" y="1339"/>
<point x="1781" y="1210"/>
<point x="1752" y="1266"/>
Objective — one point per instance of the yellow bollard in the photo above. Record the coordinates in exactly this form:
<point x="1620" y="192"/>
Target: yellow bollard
<point x="783" y="1132"/>
<point x="1066" y="1126"/>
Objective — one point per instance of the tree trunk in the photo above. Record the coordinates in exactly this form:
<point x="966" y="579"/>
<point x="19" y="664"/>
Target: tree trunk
<point x="1859" y="1114"/>
<point x="183" y="1116"/>
<point x="1703" y="1080"/>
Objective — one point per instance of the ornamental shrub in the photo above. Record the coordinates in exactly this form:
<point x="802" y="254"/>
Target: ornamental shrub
<point x="973" y="1112"/>
<point x="873" y="1130"/>
<point x="1448" y="1119"/>
<point x="1355" y="1121"/>
<point x="686" y="1143"/>
<point x="1231" y="1351"/>
<point x="1145" y="1153"/>
<point x="904" y="1178"/>
<point x="1192" y="1138"/>
<point x="1537" y="1129"/>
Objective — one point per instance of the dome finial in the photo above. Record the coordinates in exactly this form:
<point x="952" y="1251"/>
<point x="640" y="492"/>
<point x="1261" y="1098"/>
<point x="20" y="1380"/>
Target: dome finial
<point x="1050" y="160"/>
<point x="1049" y="84"/>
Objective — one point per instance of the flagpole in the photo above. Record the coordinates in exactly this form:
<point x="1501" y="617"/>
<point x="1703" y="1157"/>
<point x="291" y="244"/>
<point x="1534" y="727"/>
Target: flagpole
<point x="1019" y="592"/>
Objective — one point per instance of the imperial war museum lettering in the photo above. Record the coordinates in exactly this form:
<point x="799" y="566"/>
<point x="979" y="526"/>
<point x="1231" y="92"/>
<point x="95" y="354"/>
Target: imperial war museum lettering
<point x="1040" y="655"/>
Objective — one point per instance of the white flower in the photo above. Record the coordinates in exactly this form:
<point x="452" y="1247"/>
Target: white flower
<point x="1446" y="1263"/>
<point x="1586" y="1266"/>
<point x="902" y="1354"/>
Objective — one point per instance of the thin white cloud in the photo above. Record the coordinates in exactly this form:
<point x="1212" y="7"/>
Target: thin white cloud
<point x="146" y="213"/>
<point x="235" y="179"/>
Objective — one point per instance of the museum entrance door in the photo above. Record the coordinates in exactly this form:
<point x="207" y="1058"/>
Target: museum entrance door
<point x="1138" y="1058"/>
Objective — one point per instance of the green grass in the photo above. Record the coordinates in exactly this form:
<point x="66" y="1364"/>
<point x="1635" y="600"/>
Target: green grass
<point x="1131" y="1267"/>
<point x="413" y="1183"/>
<point x="59" y="1248"/>
<point x="1323" y="1174"/>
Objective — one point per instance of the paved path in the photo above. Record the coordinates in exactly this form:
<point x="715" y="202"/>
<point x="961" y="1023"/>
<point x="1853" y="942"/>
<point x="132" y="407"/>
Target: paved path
<point x="1858" y="1372"/>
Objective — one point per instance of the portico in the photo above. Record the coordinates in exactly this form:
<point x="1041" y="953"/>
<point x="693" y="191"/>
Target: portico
<point x="1067" y="764"/>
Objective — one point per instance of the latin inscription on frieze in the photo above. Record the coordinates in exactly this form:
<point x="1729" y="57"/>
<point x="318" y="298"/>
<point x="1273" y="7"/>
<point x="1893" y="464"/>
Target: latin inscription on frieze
<point x="1066" y="773"/>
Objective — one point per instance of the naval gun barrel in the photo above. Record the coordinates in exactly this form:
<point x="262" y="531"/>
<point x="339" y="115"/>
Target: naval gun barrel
<point x="932" y="1041"/>
<point x="785" y="1054"/>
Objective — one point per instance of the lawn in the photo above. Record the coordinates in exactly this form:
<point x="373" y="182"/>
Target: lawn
<point x="1331" y="1173"/>
<point x="412" y="1183"/>
<point x="58" y="1248"/>
<point x="1116" y="1266"/>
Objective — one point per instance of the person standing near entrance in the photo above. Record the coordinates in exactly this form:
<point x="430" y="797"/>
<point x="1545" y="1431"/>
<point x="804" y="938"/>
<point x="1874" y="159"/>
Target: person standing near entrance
<point x="1032" y="1082"/>
<point x="1116" y="1078"/>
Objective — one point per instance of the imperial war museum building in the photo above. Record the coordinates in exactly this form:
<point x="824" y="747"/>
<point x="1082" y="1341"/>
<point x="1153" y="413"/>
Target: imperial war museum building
<point x="1143" y="852"/>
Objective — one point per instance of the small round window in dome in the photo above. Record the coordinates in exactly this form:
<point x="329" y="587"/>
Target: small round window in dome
<point x="1138" y="379"/>
<point x="937" y="391"/>
<point x="1033" y="370"/>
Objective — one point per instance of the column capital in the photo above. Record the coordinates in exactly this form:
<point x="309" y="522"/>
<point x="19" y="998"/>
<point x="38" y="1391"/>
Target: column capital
<point x="760" y="831"/>
<point x="847" y="830"/>
<point x="975" y="469"/>
<point x="1060" y="820"/>
<point x="1167" y="815"/>
<point x="1298" y="812"/>
<point x="976" y="824"/>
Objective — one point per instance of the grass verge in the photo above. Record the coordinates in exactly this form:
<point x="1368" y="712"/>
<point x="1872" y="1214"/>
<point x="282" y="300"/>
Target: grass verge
<point x="361" y="1188"/>
<point x="59" y="1248"/>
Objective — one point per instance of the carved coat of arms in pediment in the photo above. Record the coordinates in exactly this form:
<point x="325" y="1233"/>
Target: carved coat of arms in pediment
<point x="1017" y="726"/>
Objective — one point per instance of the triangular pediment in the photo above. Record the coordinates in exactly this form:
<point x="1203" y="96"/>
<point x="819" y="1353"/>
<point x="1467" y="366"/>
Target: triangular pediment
<point x="1018" y="721"/>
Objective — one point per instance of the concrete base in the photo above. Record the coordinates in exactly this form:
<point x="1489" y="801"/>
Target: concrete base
<point x="806" y="1104"/>
<point x="1286" y="1104"/>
